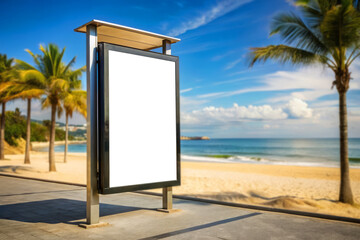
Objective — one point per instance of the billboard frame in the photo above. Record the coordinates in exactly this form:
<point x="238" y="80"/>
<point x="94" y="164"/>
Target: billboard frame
<point x="103" y="113"/>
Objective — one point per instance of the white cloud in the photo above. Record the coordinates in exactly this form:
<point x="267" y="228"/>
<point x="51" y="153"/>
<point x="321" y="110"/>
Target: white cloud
<point x="186" y="90"/>
<point x="189" y="103"/>
<point x="233" y="64"/>
<point x="209" y="95"/>
<point x="354" y="112"/>
<point x="223" y="55"/>
<point x="328" y="103"/>
<point x="234" y="114"/>
<point x="294" y="109"/>
<point x="268" y="126"/>
<point x="298" y="103"/>
<point x="307" y="83"/>
<point x="314" y="82"/>
<point x="222" y="8"/>
<point x="297" y="108"/>
<point x="292" y="119"/>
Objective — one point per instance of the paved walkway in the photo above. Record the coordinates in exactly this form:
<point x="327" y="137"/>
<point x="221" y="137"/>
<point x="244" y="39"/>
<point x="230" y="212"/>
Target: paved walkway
<point x="40" y="210"/>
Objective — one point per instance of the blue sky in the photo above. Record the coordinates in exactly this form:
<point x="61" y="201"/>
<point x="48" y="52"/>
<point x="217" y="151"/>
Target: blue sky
<point x="220" y="95"/>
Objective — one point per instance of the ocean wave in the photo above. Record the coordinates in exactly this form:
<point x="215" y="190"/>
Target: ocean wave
<point x="223" y="158"/>
<point x="257" y="160"/>
<point x="203" y="159"/>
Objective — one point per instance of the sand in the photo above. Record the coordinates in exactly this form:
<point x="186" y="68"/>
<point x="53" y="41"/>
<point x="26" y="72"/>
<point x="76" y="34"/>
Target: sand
<point x="312" y="189"/>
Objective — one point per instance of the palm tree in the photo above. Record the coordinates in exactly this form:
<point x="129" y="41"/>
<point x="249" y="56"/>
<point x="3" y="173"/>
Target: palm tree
<point x="29" y="84"/>
<point x="6" y="68"/>
<point x="55" y="74"/>
<point x="74" y="100"/>
<point x="328" y="33"/>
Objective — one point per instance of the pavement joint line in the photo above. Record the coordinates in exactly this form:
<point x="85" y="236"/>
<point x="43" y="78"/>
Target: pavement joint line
<point x="310" y="215"/>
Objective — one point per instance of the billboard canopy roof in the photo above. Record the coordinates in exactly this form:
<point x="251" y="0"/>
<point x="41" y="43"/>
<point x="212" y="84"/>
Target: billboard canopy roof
<point x="126" y="36"/>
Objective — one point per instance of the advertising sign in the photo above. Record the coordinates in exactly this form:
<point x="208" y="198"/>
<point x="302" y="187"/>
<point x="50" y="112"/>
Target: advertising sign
<point x="139" y="135"/>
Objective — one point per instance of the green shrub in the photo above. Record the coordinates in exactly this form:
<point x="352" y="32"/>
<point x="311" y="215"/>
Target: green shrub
<point x="15" y="128"/>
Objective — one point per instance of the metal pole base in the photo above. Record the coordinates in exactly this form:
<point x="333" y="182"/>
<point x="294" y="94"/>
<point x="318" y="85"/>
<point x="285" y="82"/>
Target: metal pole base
<point x="95" y="225"/>
<point x="167" y="200"/>
<point x="168" y="210"/>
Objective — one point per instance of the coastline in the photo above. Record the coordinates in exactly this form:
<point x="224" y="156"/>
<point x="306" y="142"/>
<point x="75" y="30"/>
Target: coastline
<point x="36" y="145"/>
<point x="302" y="188"/>
<point x="261" y="161"/>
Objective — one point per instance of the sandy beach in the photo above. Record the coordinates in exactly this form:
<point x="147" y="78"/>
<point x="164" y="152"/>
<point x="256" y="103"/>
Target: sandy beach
<point x="312" y="189"/>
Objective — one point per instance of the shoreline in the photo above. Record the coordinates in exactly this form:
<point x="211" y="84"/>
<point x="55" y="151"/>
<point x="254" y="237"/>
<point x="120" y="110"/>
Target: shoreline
<point x="216" y="159"/>
<point x="299" y="153"/>
<point x="272" y="163"/>
<point x="36" y="145"/>
<point x="322" y="172"/>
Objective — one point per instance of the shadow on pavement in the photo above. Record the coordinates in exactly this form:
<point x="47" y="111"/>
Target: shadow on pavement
<point x="56" y="211"/>
<point x="195" y="228"/>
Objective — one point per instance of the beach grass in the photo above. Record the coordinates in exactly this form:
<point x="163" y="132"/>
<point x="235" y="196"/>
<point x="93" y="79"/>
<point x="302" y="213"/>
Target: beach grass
<point x="354" y="160"/>
<point x="219" y="156"/>
<point x="256" y="158"/>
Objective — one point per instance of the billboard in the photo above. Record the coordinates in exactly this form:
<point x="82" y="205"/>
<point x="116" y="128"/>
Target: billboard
<point x="139" y="132"/>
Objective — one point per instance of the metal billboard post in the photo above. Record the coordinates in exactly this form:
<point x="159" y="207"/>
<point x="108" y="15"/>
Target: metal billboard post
<point x="167" y="198"/>
<point x="92" y="195"/>
<point x="167" y="191"/>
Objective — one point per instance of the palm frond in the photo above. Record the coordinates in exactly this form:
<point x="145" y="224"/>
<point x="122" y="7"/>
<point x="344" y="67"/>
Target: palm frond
<point x="353" y="56"/>
<point x="314" y="11"/>
<point x="75" y="101"/>
<point x="282" y="54"/>
<point x="45" y="102"/>
<point x="23" y="65"/>
<point x="4" y="86"/>
<point x="341" y="26"/>
<point x="294" y="31"/>
<point x="67" y="67"/>
<point x="32" y="78"/>
<point x="34" y="56"/>
<point x="31" y="93"/>
<point x="59" y="85"/>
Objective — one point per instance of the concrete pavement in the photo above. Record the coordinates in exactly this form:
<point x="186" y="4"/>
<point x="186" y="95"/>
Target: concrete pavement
<point x="40" y="210"/>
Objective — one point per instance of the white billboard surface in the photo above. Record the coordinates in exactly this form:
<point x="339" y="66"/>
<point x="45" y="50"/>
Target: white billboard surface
<point x="142" y="120"/>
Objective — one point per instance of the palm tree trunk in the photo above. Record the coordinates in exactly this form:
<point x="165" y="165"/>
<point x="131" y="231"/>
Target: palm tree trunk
<point x="2" y="131"/>
<point x="66" y="137"/>
<point x="346" y="195"/>
<point x="28" y="132"/>
<point x="52" y="139"/>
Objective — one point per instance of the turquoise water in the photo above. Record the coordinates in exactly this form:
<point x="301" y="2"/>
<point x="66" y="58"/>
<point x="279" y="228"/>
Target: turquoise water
<point x="305" y="152"/>
<point x="75" y="148"/>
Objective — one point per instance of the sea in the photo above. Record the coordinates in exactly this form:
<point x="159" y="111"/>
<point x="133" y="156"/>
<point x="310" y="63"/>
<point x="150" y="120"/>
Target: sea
<point x="302" y="152"/>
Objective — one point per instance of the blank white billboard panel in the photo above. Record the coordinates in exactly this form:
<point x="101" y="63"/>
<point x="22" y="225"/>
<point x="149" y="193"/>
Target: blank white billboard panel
<point x="141" y="119"/>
